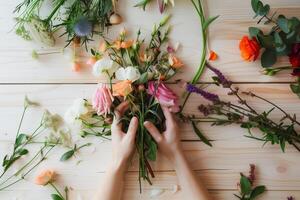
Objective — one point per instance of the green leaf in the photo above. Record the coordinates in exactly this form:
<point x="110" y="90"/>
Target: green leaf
<point x="67" y="155"/>
<point x="282" y="144"/>
<point x="20" y="139"/>
<point x="245" y="185"/>
<point x="22" y="152"/>
<point x="209" y="21"/>
<point x="254" y="4"/>
<point x="152" y="151"/>
<point x="278" y="39"/>
<point x="56" y="197"/>
<point x="295" y="88"/>
<point x="200" y="135"/>
<point x="257" y="191"/>
<point x="253" y="31"/>
<point x="268" y="58"/>
<point x="143" y="79"/>
<point x="283" y="23"/>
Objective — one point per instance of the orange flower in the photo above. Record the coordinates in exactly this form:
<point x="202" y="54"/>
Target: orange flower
<point x="175" y="62"/>
<point x="45" y="177"/>
<point x="122" y="88"/>
<point x="213" y="56"/>
<point x="76" y="67"/>
<point x="249" y="49"/>
<point x="123" y="45"/>
<point x="92" y="60"/>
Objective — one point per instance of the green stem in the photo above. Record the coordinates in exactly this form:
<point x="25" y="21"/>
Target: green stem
<point x="55" y="10"/>
<point x="55" y="188"/>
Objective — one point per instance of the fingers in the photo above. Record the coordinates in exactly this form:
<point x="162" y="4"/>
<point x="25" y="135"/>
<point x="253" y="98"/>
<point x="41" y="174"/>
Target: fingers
<point x="153" y="131"/>
<point x="168" y="116"/>
<point x="133" y="126"/>
<point x="119" y="111"/>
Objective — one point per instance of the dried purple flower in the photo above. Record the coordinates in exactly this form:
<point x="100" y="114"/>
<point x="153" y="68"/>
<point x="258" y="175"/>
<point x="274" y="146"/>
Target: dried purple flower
<point x="290" y="198"/>
<point x="204" y="109"/>
<point x="222" y="79"/>
<point x="207" y="95"/>
<point x="251" y="176"/>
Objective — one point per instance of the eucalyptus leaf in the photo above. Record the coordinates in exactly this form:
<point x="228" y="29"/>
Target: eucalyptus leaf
<point x="283" y="24"/>
<point x="253" y="31"/>
<point x="268" y="58"/>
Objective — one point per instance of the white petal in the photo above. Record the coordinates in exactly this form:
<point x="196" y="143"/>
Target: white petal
<point x="120" y="74"/>
<point x="156" y="193"/>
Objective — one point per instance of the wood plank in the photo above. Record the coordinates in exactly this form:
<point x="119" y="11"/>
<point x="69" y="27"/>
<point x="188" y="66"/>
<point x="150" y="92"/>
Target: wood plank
<point x="230" y="155"/>
<point x="130" y="193"/>
<point x="17" y="66"/>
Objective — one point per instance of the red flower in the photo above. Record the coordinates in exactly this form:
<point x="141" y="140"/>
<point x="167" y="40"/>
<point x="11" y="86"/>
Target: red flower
<point x="295" y="55"/>
<point x="249" y="48"/>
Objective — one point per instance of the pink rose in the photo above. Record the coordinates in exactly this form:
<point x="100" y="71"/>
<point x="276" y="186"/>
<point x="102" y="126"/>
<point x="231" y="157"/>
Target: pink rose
<point x="102" y="100"/>
<point x="164" y="95"/>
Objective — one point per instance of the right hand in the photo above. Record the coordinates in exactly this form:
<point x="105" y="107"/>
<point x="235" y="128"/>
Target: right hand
<point x="168" y="141"/>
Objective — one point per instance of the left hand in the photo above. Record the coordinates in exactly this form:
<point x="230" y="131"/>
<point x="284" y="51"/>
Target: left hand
<point x="123" y="143"/>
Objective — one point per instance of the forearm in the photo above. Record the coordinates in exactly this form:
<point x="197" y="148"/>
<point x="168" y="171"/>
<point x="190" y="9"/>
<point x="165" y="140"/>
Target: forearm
<point x="112" y="184"/>
<point x="191" y="186"/>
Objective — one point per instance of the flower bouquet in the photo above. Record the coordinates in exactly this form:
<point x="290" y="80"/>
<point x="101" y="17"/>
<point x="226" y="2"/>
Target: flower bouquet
<point x="135" y="71"/>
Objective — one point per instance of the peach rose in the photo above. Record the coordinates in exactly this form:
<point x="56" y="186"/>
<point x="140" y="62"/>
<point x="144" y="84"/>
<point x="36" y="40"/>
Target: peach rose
<point x="122" y="88"/>
<point x="249" y="48"/>
<point x="45" y="177"/>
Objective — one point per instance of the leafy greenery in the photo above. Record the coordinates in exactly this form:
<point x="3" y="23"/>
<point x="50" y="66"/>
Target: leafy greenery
<point x="96" y="12"/>
<point x="247" y="191"/>
<point x="279" y="40"/>
<point x="221" y="113"/>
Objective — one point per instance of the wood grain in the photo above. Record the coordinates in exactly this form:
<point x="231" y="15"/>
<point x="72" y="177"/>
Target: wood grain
<point x="17" y="66"/>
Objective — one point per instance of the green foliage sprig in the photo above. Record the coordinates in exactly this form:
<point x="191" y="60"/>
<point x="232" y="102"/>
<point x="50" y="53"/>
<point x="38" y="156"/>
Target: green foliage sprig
<point x="278" y="42"/>
<point x="221" y="113"/>
<point x="69" y="154"/>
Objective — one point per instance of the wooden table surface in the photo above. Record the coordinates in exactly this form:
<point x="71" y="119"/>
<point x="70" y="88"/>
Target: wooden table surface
<point x="51" y="82"/>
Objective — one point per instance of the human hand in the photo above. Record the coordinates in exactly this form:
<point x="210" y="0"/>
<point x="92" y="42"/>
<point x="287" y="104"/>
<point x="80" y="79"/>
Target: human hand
<point x="168" y="141"/>
<point x="123" y="143"/>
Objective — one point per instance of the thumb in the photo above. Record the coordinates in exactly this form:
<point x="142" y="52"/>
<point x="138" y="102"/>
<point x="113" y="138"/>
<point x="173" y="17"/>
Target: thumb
<point x="153" y="131"/>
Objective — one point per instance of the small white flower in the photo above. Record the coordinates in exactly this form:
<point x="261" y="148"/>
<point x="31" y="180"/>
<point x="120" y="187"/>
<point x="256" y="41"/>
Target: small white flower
<point x="128" y="73"/>
<point x="104" y="68"/>
<point x="78" y="108"/>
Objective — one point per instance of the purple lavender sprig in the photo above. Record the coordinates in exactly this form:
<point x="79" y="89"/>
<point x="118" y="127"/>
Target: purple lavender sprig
<point x="290" y="198"/>
<point x="207" y="95"/>
<point x="222" y="79"/>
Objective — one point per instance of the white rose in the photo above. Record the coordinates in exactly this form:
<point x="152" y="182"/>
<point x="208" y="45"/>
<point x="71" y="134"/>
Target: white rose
<point x="128" y="73"/>
<point x="104" y="68"/>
